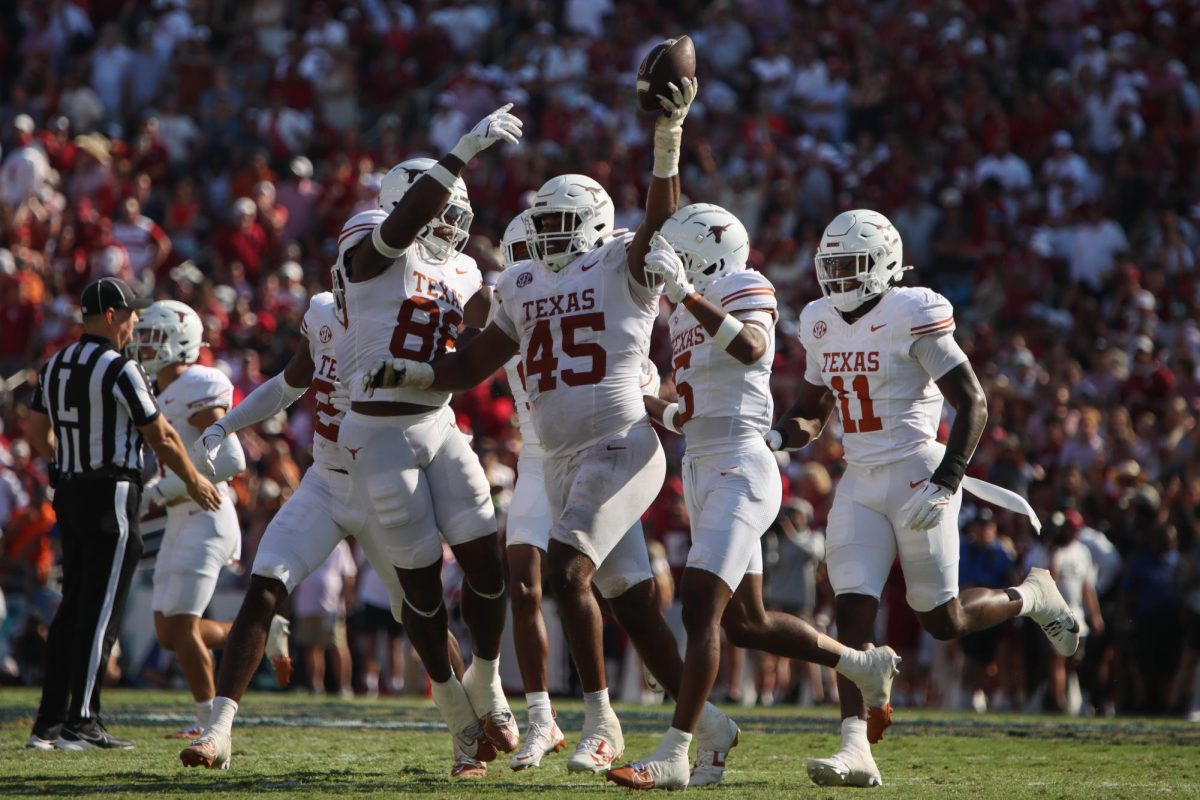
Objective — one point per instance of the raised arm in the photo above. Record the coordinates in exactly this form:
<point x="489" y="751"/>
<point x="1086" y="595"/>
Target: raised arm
<point x="663" y="198"/>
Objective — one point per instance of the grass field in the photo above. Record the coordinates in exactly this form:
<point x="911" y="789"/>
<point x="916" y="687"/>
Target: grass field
<point x="294" y="746"/>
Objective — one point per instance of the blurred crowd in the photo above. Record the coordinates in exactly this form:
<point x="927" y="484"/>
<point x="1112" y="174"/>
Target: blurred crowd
<point x="1039" y="158"/>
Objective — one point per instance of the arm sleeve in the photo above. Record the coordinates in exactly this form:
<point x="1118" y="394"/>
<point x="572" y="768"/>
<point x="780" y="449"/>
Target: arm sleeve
<point x="267" y="400"/>
<point x="132" y="389"/>
<point x="230" y="460"/>
<point x="938" y="353"/>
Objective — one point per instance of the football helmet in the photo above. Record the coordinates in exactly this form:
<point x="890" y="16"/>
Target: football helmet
<point x="354" y="231"/>
<point x="167" y="332"/>
<point x="571" y="215"/>
<point x="709" y="240"/>
<point x="446" y="234"/>
<point x="859" y="258"/>
<point x="514" y="246"/>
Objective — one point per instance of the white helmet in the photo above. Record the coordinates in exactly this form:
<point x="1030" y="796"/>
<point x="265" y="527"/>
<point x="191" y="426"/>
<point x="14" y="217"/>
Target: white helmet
<point x="582" y="214"/>
<point x="167" y="332"/>
<point x="711" y="242"/>
<point x="863" y="247"/>
<point x="446" y="234"/>
<point x="514" y="245"/>
<point x="354" y="231"/>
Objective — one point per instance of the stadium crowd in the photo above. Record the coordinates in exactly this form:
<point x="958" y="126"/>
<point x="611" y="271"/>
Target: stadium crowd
<point x="1039" y="158"/>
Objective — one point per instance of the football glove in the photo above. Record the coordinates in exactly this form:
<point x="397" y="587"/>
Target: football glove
<point x="925" y="509"/>
<point x="204" y="449"/>
<point x="496" y="126"/>
<point x="339" y="398"/>
<point x="388" y="373"/>
<point x="664" y="264"/>
<point x="676" y="107"/>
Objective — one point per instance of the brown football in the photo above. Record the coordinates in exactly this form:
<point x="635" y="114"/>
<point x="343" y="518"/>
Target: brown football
<point x="667" y="62"/>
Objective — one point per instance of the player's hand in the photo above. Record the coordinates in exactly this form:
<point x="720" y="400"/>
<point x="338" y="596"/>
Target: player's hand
<point x="774" y="440"/>
<point x="496" y="126"/>
<point x="389" y="373"/>
<point x="339" y="398"/>
<point x="204" y="449"/>
<point x="676" y="107"/>
<point x="925" y="509"/>
<point x="662" y="262"/>
<point x="205" y="494"/>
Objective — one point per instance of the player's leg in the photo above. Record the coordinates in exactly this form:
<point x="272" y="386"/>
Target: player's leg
<point x="860" y="548"/>
<point x="462" y="506"/>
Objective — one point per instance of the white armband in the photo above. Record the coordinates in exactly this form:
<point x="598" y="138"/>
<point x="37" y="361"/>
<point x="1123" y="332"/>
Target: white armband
<point x="667" y="142"/>
<point x="442" y="175"/>
<point x="266" y="401"/>
<point x="731" y="326"/>
<point x="383" y="248"/>
<point x="668" y="417"/>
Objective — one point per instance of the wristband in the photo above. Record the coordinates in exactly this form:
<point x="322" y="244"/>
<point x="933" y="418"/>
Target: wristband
<point x="690" y="299"/>
<point x="668" y="417"/>
<point x="731" y="326"/>
<point x="949" y="473"/>
<point x="420" y="375"/>
<point x="383" y="248"/>
<point x="466" y="149"/>
<point x="667" y="142"/>
<point x="442" y="175"/>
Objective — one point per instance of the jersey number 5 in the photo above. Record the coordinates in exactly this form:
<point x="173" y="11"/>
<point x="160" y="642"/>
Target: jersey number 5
<point x="862" y="389"/>
<point x="542" y="363"/>
<point x="423" y="319"/>
<point x="687" y="400"/>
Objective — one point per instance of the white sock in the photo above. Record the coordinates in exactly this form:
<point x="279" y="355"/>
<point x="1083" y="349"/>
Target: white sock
<point x="854" y="733"/>
<point x="674" y="746"/>
<point x="595" y="704"/>
<point x="539" y="707"/>
<point x="482" y="683"/>
<point x="850" y="662"/>
<point x="221" y="718"/>
<point x="712" y="723"/>
<point x="204" y="711"/>
<point x="451" y="700"/>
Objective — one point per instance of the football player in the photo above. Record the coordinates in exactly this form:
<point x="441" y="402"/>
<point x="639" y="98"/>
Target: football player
<point x="885" y="358"/>
<point x="722" y="344"/>
<point x="315" y="518"/>
<point x="580" y="313"/>
<point x="409" y="290"/>
<point x="528" y="536"/>
<point x="196" y="543"/>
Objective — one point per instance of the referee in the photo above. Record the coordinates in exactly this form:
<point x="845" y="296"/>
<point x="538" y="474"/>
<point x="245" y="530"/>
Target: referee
<point x="92" y="408"/>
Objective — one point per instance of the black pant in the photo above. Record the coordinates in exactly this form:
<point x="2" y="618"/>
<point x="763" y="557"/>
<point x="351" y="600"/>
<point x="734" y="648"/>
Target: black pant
<point x="101" y="544"/>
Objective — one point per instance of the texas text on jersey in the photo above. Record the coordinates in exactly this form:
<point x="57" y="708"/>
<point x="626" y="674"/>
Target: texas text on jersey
<point x="324" y="329"/>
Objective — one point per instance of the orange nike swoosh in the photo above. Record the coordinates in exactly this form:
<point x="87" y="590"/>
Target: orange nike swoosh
<point x="915" y="484"/>
<point x="877" y="327"/>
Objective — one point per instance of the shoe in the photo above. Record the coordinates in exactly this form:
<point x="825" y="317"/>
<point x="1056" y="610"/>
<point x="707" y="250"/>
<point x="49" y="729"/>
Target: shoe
<point x="93" y="737"/>
<point x="881" y="666"/>
<point x="711" y="754"/>
<point x="500" y="728"/>
<point x="210" y="750"/>
<point x="277" y="650"/>
<point x="1045" y="605"/>
<point x="35" y="742"/>
<point x="472" y="751"/>
<point x="599" y="746"/>
<point x="847" y="767"/>
<point x="189" y="733"/>
<point x="540" y="739"/>
<point x="651" y="774"/>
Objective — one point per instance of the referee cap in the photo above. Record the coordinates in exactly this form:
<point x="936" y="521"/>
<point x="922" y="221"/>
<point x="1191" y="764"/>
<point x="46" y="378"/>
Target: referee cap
<point x="109" y="293"/>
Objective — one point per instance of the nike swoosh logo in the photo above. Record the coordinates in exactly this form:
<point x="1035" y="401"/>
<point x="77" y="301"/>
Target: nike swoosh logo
<point x="915" y="484"/>
<point x="877" y="327"/>
<point x="461" y="271"/>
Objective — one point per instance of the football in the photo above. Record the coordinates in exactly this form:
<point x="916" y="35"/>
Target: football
<point x="667" y="62"/>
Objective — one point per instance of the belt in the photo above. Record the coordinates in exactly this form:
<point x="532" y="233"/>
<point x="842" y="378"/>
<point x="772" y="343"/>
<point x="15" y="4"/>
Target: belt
<point x="106" y="473"/>
<point x="389" y="408"/>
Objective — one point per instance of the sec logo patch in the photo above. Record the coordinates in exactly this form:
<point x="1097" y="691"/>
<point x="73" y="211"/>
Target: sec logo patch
<point x="524" y="279"/>
<point x="326" y="334"/>
<point x="819" y="329"/>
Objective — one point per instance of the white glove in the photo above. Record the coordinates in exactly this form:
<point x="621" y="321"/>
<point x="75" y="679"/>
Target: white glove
<point x="339" y="398"/>
<point x="774" y="440"/>
<point x="390" y="373"/>
<point x="664" y="263"/>
<point x="925" y="509"/>
<point x="676" y="107"/>
<point x="496" y="126"/>
<point x="204" y="449"/>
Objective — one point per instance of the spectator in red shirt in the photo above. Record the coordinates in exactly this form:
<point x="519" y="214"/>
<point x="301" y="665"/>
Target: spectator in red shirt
<point x="146" y="244"/>
<point x="245" y="241"/>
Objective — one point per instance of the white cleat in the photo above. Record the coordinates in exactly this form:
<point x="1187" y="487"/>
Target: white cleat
<point x="1045" y="606"/>
<point x="35" y="742"/>
<point x="651" y="773"/>
<point x="211" y="750"/>
<point x="880" y="667"/>
<point x="277" y="650"/>
<point x="711" y="754"/>
<point x="599" y="746"/>
<point x="500" y="728"/>
<point x="847" y="767"/>
<point x="540" y="739"/>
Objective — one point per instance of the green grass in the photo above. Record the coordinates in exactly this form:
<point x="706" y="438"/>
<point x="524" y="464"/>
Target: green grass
<point x="293" y="746"/>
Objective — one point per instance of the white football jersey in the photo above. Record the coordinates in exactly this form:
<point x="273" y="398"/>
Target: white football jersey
<point x="198" y="389"/>
<point x="888" y="404"/>
<point x="516" y="382"/>
<point x="584" y="333"/>
<point x="413" y="309"/>
<point x="712" y="384"/>
<point x="323" y="328"/>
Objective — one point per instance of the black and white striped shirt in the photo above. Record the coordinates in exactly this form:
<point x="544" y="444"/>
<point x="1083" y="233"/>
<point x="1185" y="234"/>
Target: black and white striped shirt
<point x="97" y="399"/>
